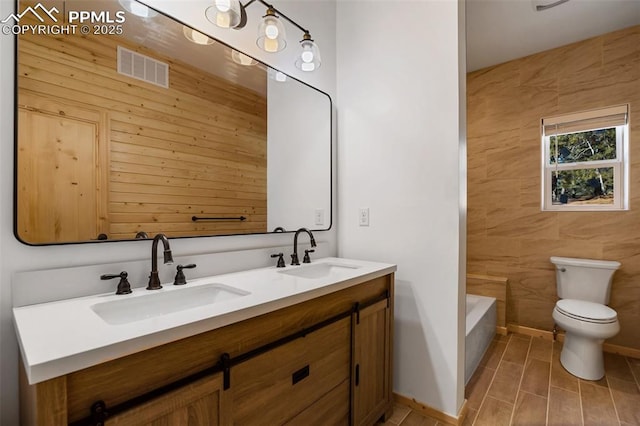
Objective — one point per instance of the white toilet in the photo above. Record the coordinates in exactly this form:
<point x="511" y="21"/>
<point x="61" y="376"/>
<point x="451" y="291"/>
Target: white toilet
<point x="584" y="286"/>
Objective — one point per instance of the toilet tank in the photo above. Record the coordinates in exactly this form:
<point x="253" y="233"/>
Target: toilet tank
<point x="584" y="279"/>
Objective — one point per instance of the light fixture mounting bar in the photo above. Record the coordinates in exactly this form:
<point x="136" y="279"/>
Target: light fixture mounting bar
<point x="247" y="4"/>
<point x="291" y="21"/>
<point x="541" y="7"/>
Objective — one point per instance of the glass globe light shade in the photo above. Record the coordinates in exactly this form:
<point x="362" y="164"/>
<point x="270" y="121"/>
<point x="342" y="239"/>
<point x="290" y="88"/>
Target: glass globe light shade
<point x="271" y="33"/>
<point x="225" y="13"/>
<point x="309" y="57"/>
<point x="242" y="59"/>
<point x="196" y="36"/>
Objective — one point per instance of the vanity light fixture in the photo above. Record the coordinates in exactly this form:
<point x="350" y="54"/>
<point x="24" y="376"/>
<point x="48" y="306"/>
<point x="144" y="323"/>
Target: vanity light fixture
<point x="277" y="76"/>
<point x="227" y="14"/>
<point x="280" y="77"/>
<point x="137" y="9"/>
<point x="242" y="59"/>
<point x="196" y="36"/>
<point x="309" y="57"/>
<point x="271" y="31"/>
<point x="541" y="5"/>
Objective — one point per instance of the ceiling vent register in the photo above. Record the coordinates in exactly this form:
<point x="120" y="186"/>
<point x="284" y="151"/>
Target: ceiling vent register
<point x="143" y="67"/>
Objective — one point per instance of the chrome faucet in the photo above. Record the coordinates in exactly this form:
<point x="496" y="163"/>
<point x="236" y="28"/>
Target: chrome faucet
<point x="294" y="256"/>
<point x="154" y="280"/>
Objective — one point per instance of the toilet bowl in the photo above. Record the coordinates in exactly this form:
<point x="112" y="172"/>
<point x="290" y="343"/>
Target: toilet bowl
<point x="584" y="287"/>
<point x="587" y="325"/>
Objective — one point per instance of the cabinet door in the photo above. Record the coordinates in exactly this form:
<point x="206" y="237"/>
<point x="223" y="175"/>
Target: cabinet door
<point x="198" y="404"/>
<point x="276" y="386"/>
<point x="371" y="363"/>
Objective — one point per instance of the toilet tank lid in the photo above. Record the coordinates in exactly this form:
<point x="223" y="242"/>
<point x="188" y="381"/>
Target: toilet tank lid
<point x="587" y="310"/>
<point x="589" y="263"/>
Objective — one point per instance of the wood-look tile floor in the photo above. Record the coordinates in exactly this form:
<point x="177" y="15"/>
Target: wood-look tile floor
<point x="520" y="381"/>
<point x="405" y="416"/>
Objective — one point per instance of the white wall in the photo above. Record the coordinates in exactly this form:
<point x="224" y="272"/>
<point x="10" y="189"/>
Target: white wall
<point x="318" y="16"/>
<point x="401" y="153"/>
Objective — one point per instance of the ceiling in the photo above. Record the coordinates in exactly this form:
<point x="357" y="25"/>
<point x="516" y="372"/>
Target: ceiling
<point x="501" y="30"/>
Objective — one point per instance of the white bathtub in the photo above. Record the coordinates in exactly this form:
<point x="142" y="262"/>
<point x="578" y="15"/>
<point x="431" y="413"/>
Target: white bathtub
<point x="481" y="327"/>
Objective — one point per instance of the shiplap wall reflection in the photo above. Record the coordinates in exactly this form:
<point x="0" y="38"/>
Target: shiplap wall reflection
<point x="198" y="147"/>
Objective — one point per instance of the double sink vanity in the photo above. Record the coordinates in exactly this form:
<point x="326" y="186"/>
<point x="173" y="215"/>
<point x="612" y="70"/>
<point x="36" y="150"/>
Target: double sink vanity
<point x="307" y="344"/>
<point x="302" y="344"/>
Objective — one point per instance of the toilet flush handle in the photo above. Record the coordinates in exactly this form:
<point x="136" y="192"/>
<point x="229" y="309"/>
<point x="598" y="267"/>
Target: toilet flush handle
<point x="563" y="270"/>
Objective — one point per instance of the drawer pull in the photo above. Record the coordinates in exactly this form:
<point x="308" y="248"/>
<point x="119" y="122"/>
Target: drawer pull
<point x="357" y="374"/>
<point x="299" y="375"/>
<point x="225" y="362"/>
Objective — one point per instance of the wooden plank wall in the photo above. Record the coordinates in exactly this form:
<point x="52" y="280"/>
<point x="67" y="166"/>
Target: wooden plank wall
<point x="197" y="148"/>
<point x="508" y="235"/>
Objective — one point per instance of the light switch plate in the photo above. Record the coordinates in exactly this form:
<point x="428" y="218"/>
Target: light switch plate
<point x="319" y="217"/>
<point x="363" y="217"/>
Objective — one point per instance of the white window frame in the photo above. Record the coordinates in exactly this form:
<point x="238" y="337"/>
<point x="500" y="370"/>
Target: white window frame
<point x="583" y="122"/>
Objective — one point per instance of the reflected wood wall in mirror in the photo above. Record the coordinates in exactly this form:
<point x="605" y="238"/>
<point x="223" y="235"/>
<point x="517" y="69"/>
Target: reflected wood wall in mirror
<point x="100" y="152"/>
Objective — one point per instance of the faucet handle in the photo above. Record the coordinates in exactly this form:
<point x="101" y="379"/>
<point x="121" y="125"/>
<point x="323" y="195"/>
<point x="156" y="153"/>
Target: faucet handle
<point x="306" y="258"/>
<point x="280" y="257"/>
<point x="123" y="286"/>
<point x="180" y="279"/>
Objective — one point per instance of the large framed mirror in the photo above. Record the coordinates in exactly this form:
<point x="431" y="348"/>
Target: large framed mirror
<point x="143" y="125"/>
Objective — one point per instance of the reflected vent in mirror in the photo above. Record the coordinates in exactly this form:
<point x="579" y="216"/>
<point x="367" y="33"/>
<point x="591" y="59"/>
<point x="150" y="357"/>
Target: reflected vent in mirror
<point x="142" y="67"/>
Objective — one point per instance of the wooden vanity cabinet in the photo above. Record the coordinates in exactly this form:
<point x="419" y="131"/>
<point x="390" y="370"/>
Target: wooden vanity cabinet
<point x="325" y="361"/>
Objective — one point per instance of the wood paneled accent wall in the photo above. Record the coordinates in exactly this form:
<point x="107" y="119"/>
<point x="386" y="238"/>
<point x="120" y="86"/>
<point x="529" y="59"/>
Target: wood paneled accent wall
<point x="508" y="234"/>
<point x="197" y="148"/>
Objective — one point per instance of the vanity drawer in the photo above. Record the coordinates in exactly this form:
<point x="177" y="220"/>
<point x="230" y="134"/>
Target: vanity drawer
<point x="277" y="385"/>
<point x="331" y="409"/>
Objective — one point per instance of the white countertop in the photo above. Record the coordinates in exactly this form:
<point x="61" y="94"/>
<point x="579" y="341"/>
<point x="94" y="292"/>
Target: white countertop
<point x="61" y="337"/>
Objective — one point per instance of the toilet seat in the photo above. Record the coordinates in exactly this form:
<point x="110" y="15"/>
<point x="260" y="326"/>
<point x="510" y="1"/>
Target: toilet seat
<point x="586" y="311"/>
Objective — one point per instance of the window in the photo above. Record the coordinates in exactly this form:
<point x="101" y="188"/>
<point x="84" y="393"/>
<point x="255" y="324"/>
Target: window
<point x="585" y="157"/>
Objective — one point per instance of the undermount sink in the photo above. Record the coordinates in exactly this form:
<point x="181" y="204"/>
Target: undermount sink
<point x="319" y="270"/>
<point x="130" y="309"/>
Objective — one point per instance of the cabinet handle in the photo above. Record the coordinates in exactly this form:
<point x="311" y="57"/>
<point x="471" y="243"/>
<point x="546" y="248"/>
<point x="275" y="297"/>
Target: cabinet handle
<point x="299" y="375"/>
<point x="357" y="374"/>
<point x="225" y="362"/>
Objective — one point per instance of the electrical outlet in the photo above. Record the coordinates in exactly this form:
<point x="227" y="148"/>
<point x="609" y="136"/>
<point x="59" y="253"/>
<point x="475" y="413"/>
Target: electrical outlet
<point x="319" y="217"/>
<point x="364" y="217"/>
